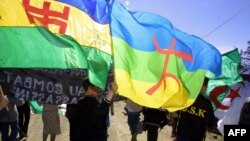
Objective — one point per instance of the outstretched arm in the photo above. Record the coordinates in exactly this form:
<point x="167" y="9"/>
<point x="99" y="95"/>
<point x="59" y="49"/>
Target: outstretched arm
<point x="112" y="91"/>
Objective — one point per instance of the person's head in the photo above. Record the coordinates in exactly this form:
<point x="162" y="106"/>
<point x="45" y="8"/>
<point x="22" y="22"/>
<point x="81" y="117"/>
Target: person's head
<point x="89" y="88"/>
<point x="204" y="85"/>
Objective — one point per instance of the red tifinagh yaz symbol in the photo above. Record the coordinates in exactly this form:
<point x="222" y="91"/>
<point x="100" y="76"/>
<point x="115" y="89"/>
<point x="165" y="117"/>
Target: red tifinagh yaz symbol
<point x="165" y="74"/>
<point x="47" y="15"/>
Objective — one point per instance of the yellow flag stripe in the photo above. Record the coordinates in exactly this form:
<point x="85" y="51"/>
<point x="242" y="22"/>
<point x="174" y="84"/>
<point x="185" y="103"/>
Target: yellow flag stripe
<point x="13" y="14"/>
<point x="162" y="97"/>
<point x="79" y="25"/>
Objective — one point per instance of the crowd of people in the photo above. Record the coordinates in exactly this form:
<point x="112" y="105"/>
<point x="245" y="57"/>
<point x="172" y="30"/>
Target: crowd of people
<point x="189" y="124"/>
<point x="89" y="118"/>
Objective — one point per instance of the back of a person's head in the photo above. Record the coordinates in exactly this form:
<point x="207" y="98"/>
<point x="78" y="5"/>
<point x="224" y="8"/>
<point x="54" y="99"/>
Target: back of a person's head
<point x="205" y="82"/>
<point x="86" y="83"/>
<point x="204" y="85"/>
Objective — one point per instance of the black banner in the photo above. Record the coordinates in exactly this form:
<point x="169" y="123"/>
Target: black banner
<point x="55" y="86"/>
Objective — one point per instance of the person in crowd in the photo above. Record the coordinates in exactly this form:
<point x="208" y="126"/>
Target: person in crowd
<point x="133" y="111"/>
<point x="194" y="120"/>
<point x="91" y="115"/>
<point x="9" y="121"/>
<point x="100" y="96"/>
<point x="107" y="123"/>
<point x="51" y="121"/>
<point x="3" y="103"/>
<point x="174" y="121"/>
<point x="71" y="116"/>
<point x="154" y="119"/>
<point x="245" y="113"/>
<point x="24" y="119"/>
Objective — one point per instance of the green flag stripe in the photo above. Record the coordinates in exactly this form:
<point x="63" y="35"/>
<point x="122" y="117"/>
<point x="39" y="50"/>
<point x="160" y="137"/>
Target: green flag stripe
<point x="142" y="61"/>
<point x="36" y="47"/>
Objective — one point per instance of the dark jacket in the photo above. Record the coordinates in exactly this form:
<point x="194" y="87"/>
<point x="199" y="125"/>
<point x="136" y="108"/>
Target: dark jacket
<point x="154" y="117"/>
<point x="195" y="119"/>
<point x="91" y="117"/>
<point x="71" y="111"/>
